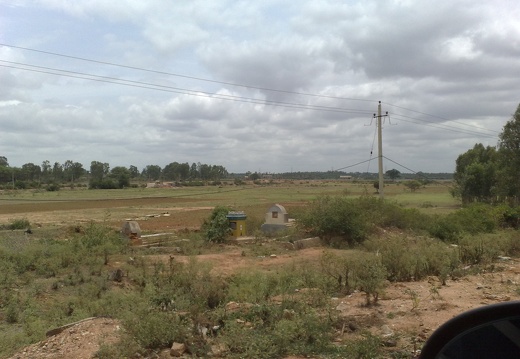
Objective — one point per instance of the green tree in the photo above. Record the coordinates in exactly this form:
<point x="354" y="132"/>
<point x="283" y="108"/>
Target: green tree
<point x="172" y="171"/>
<point x="30" y="172"/>
<point x="121" y="175"/>
<point x="97" y="171"/>
<point x="194" y="172"/>
<point x="509" y="159"/>
<point x="3" y="161"/>
<point x="216" y="228"/>
<point x="72" y="171"/>
<point x="67" y="170"/>
<point x="204" y="171"/>
<point x="57" y="172"/>
<point x="46" y="170"/>
<point x="475" y="174"/>
<point x="6" y="174"/>
<point x="393" y="174"/>
<point x="152" y="172"/>
<point x="77" y="171"/>
<point x="218" y="172"/>
<point x="134" y="171"/>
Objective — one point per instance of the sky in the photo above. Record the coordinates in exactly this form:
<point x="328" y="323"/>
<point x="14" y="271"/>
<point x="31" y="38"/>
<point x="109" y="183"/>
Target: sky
<point x="261" y="86"/>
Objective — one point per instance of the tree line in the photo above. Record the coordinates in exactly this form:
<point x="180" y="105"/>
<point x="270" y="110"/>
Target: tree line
<point x="491" y="173"/>
<point x="100" y="175"/>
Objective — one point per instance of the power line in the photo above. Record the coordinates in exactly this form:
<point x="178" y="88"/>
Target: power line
<point x="151" y="86"/>
<point x="442" y="126"/>
<point x="183" y="76"/>
<point x="356" y="164"/>
<point x="232" y="97"/>
<point x="178" y="90"/>
<point x="414" y="172"/>
<point x="441" y="118"/>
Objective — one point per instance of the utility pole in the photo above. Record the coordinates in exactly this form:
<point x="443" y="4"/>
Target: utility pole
<point x="380" y="150"/>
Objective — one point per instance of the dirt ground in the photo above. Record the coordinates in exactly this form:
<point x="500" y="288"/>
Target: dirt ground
<point x="407" y="312"/>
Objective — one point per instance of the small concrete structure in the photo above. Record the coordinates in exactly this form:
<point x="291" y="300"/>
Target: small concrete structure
<point x="276" y="219"/>
<point x="132" y="231"/>
<point x="237" y="223"/>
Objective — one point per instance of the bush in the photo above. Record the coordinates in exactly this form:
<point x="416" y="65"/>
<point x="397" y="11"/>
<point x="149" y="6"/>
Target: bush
<point x="104" y="184"/>
<point x="486" y="248"/>
<point x="329" y="217"/>
<point x="154" y="329"/>
<point x="473" y="219"/>
<point x="369" y="275"/>
<point x="21" y="223"/>
<point x="446" y="228"/>
<point x="410" y="258"/>
<point x="354" y="220"/>
<point x="276" y="331"/>
<point x="216" y="228"/>
<point x="53" y="187"/>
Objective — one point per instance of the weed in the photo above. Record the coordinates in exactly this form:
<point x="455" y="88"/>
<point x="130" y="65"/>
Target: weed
<point x="434" y="292"/>
<point x="410" y="258"/>
<point x="414" y="297"/>
<point x="20" y="223"/>
<point x="368" y="347"/>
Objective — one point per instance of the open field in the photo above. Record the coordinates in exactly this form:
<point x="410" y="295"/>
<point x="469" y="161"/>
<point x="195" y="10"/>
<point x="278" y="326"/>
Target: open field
<point x="188" y="206"/>
<point x="74" y="286"/>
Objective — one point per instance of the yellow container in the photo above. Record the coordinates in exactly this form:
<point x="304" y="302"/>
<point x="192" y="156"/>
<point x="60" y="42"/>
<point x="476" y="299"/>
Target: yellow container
<point x="237" y="223"/>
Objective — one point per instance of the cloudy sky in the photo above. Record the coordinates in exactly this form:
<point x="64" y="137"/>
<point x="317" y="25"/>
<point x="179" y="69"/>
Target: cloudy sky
<point x="266" y="85"/>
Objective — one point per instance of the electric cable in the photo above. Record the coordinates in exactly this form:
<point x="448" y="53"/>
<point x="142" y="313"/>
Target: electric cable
<point x="164" y="88"/>
<point x="183" y="76"/>
<point x="446" y="127"/>
<point x="249" y="86"/>
<point x="441" y="118"/>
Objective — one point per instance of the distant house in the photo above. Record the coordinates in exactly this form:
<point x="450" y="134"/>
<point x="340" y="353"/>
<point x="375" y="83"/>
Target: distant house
<point x="345" y="177"/>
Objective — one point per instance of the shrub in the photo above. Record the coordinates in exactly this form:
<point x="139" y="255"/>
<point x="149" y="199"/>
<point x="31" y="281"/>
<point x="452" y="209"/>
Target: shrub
<point x="410" y="258"/>
<point x="354" y="219"/>
<point x="53" y="187"/>
<point x="21" y="223"/>
<point x="367" y="347"/>
<point x="104" y="184"/>
<point x="473" y="219"/>
<point x="217" y="229"/>
<point x="275" y="331"/>
<point x="338" y="268"/>
<point x="486" y="248"/>
<point x="369" y="275"/>
<point x="154" y="329"/>
<point x="445" y="228"/>
<point x="330" y="217"/>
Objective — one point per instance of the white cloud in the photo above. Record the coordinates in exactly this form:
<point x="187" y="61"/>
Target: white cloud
<point x="455" y="60"/>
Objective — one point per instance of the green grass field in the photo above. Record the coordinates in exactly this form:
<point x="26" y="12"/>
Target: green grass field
<point x="253" y="199"/>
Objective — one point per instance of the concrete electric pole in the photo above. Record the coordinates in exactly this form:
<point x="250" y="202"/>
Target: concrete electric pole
<point x="381" y="189"/>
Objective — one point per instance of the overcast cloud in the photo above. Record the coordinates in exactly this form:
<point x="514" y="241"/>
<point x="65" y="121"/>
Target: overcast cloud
<point x="312" y="73"/>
